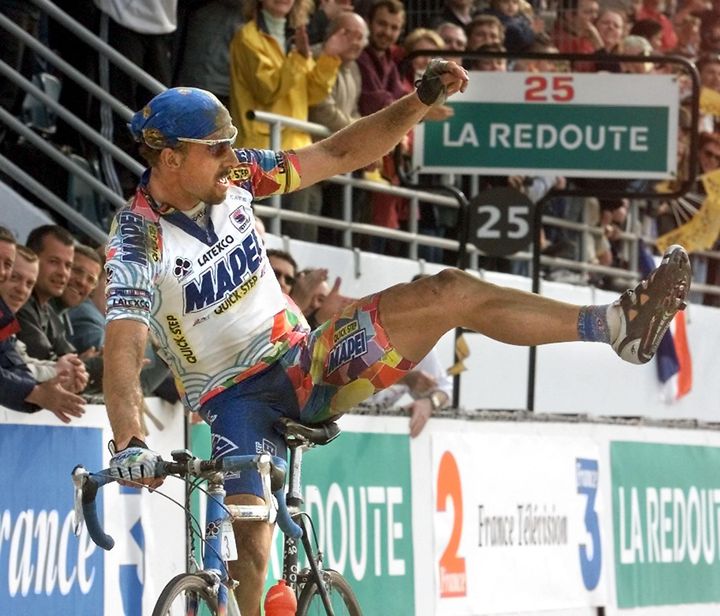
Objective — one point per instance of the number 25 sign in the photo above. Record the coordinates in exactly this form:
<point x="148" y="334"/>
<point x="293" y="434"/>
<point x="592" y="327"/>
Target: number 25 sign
<point x="501" y="221"/>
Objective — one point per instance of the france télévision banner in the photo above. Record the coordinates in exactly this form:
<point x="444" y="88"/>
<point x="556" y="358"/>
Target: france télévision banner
<point x="517" y="523"/>
<point x="44" y="567"/>
<point x="666" y="515"/>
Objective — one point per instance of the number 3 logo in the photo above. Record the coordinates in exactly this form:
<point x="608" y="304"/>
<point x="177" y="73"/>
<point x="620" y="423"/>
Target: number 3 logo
<point x="587" y="484"/>
<point x="453" y="580"/>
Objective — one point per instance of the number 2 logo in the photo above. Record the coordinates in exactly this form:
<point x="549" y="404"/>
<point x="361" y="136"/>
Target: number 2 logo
<point x="453" y="579"/>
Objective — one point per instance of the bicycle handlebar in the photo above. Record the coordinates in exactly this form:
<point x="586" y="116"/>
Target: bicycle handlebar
<point x="271" y="468"/>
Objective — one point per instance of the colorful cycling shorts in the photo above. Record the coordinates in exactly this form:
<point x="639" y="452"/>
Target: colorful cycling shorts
<point x="334" y="368"/>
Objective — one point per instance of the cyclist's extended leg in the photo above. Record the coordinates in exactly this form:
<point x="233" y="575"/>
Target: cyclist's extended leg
<point x="416" y="314"/>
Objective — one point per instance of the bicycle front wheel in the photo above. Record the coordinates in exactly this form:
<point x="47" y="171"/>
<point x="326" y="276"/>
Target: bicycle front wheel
<point x="342" y="598"/>
<point x="186" y="595"/>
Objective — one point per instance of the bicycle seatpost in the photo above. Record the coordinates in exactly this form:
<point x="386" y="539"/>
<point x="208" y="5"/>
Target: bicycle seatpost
<point x="294" y="493"/>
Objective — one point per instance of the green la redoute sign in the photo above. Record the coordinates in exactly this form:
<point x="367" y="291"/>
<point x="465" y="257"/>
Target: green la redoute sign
<point x="358" y="492"/>
<point x="600" y="125"/>
<point x="666" y="516"/>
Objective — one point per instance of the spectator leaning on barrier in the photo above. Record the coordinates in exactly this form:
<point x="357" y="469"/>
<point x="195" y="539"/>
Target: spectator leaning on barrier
<point x="41" y="328"/>
<point x="19" y="390"/>
<point x="285" y="269"/>
<point x="84" y="276"/>
<point x="87" y="319"/>
<point x="16" y="291"/>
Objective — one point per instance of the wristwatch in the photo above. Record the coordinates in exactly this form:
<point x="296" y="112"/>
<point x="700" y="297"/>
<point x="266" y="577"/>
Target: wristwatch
<point x="437" y="399"/>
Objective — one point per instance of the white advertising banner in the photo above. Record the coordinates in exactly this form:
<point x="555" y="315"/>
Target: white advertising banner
<point x="517" y="536"/>
<point x="44" y="568"/>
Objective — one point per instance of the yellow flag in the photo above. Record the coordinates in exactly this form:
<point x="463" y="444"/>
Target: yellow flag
<point x="462" y="352"/>
<point x="711" y="182"/>
<point x="710" y="101"/>
<point x="700" y="232"/>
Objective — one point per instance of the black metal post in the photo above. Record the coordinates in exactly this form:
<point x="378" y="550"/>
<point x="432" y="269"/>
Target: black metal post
<point x="532" y="356"/>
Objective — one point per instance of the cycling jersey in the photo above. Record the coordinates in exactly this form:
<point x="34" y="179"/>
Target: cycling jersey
<point x="213" y="306"/>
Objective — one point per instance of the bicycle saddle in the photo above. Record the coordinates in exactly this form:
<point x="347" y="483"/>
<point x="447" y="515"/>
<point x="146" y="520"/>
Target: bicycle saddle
<point x="318" y="434"/>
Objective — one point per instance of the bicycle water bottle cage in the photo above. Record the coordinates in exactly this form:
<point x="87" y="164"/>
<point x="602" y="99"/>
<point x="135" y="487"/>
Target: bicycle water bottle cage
<point x="319" y="434"/>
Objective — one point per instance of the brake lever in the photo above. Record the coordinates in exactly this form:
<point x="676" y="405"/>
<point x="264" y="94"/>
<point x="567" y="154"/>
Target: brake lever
<point x="79" y="478"/>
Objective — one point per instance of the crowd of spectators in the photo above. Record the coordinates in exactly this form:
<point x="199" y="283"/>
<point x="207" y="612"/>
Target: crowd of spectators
<point x="52" y="322"/>
<point x="335" y="60"/>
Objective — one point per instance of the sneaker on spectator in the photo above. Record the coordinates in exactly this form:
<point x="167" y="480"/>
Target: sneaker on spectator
<point x="647" y="310"/>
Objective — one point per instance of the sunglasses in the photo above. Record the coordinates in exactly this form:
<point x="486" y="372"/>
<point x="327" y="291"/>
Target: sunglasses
<point x="289" y="280"/>
<point x="216" y="147"/>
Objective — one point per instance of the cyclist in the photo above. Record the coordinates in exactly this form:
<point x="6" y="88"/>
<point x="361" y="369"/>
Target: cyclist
<point x="185" y="264"/>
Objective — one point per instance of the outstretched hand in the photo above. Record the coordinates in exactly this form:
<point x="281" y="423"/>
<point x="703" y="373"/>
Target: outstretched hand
<point x="339" y="42"/>
<point x="302" y="42"/>
<point x="442" y="78"/>
<point x="51" y="395"/>
<point x="333" y="304"/>
<point x="420" y="411"/>
<point x="307" y="285"/>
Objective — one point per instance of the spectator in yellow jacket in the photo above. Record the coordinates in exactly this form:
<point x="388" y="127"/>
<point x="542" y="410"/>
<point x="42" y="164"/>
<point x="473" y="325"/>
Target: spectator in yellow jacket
<point x="272" y="69"/>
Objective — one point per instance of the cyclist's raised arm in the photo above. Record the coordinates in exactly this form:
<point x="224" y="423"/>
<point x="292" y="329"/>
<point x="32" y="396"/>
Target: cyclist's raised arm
<point x="371" y="137"/>
<point x="124" y="351"/>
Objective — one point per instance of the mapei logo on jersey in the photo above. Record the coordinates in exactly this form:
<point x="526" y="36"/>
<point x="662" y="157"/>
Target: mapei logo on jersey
<point x="226" y="280"/>
<point x="133" y="246"/>
<point x="349" y="342"/>
<point x="240" y="219"/>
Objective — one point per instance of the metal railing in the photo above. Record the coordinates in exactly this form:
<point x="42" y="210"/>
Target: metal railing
<point x="346" y="224"/>
<point x="415" y="239"/>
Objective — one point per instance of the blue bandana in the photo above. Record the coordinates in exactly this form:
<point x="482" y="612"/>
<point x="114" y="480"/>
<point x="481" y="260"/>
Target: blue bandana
<point x="189" y="113"/>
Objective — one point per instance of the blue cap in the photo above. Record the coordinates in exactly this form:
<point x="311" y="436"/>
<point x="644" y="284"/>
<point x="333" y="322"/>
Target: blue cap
<point x="178" y="113"/>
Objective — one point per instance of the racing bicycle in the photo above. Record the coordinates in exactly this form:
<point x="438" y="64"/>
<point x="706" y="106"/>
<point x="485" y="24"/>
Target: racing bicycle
<point x="207" y="589"/>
